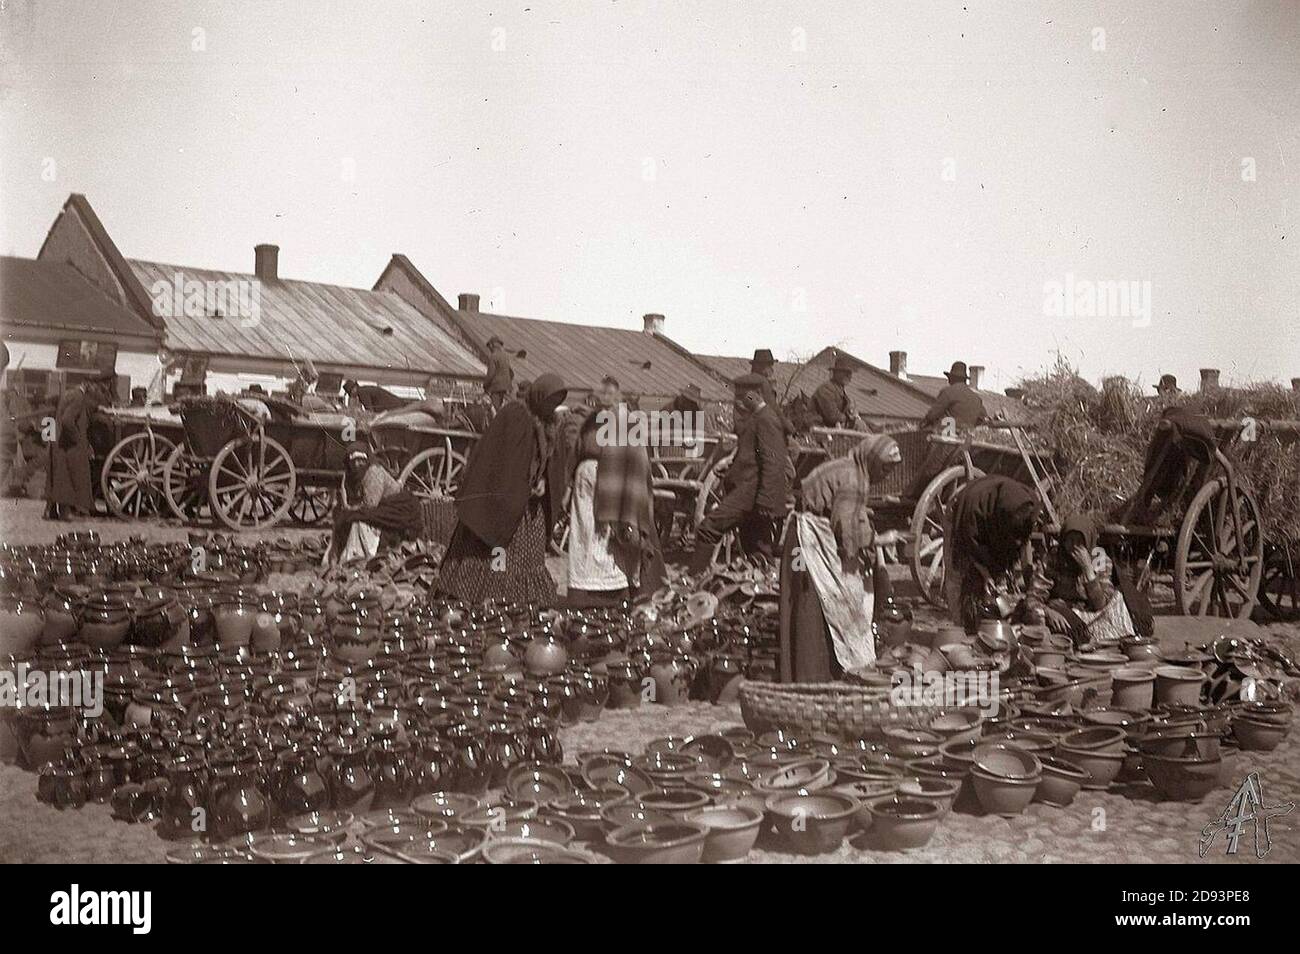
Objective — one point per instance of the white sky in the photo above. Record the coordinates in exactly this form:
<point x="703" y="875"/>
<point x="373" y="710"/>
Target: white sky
<point x="610" y="159"/>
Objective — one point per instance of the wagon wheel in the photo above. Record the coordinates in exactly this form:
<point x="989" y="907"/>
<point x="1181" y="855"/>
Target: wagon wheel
<point x="927" y="531"/>
<point x="1279" y="588"/>
<point x="432" y="474"/>
<point x="185" y="485"/>
<point x="311" y="505"/>
<point x="133" y="475"/>
<point x="252" y="483"/>
<point x="711" y="493"/>
<point x="1207" y="578"/>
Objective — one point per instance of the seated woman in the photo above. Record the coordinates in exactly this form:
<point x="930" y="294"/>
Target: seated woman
<point x="1083" y="603"/>
<point x="827" y="569"/>
<point x="375" y="512"/>
<point x="986" y="536"/>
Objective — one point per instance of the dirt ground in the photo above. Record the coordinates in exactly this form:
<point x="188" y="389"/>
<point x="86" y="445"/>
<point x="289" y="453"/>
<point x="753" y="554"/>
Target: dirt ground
<point x="1127" y="824"/>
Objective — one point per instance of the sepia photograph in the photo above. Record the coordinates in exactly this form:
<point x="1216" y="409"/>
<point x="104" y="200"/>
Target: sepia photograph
<point x="652" y="432"/>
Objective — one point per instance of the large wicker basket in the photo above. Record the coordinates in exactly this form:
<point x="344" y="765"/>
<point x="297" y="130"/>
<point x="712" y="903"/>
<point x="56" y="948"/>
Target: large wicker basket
<point x="832" y="708"/>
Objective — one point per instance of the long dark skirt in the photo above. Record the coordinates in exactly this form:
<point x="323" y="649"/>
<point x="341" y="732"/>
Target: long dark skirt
<point x="806" y="651"/>
<point x="472" y="572"/>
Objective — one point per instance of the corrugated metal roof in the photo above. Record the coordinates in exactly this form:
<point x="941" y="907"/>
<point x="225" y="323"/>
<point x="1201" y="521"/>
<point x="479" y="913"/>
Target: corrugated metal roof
<point x="55" y="295"/>
<point x="330" y="324"/>
<point x="581" y="355"/>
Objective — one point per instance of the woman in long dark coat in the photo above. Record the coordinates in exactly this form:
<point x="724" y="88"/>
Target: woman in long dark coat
<point x="67" y="483"/>
<point x="506" y="504"/>
<point x="986" y="531"/>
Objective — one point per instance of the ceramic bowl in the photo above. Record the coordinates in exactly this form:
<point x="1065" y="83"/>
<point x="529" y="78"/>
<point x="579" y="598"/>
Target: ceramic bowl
<point x="900" y="823"/>
<point x="715" y="751"/>
<point x="1060" y="783"/>
<point x="812" y="823"/>
<point x="957" y="725"/>
<point x="1182" y="779"/>
<point x="632" y="813"/>
<point x="533" y="851"/>
<point x="446" y="806"/>
<point x="674" y="843"/>
<point x="808" y="774"/>
<point x="328" y="825"/>
<point x="1102" y="767"/>
<point x="551" y="829"/>
<point x="1254" y="735"/>
<point x="912" y="743"/>
<point x="1006" y="760"/>
<point x="537" y="782"/>
<point x="1133" y="723"/>
<point x="493" y="817"/>
<point x="463" y="843"/>
<point x="197" y="853"/>
<point x="1276" y="712"/>
<point x="1181" y="741"/>
<point x="601" y="770"/>
<point x="853" y="769"/>
<point x="675" y="803"/>
<point x="938" y="790"/>
<point x="1097" y="738"/>
<point x="866" y="792"/>
<point x="732" y="831"/>
<point x="357" y="855"/>
<point x="1003" y="795"/>
<point x="581" y="810"/>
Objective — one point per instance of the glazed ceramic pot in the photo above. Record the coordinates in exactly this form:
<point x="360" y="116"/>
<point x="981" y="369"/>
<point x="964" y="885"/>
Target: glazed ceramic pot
<point x="392" y="771"/>
<point x="625" y="688"/>
<point x="351" y="786"/>
<point x="21" y="624"/>
<point x="1178" y="685"/>
<point x="186" y="797"/>
<point x="1133" y="689"/>
<point x="431" y="765"/>
<point x="44" y="735"/>
<point x="901" y="823"/>
<point x="354" y="641"/>
<point x="299" y="787"/>
<point x="1258" y="735"/>
<point x="1096" y="738"/>
<point x="1102" y="767"/>
<point x="237" y="805"/>
<point x="1061" y="781"/>
<point x="812" y="823"/>
<point x="672" y="843"/>
<point x="62" y="785"/>
<point x="672" y="675"/>
<point x="1003" y="795"/>
<point x="732" y="831"/>
<point x="545" y="656"/>
<point x="941" y="792"/>
<point x="1182" y="779"/>
<point x="470" y="769"/>
<point x="233" y="615"/>
<point x="105" y="621"/>
<point x="62" y="615"/>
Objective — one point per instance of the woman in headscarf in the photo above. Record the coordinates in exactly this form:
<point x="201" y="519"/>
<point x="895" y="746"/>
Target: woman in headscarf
<point x="1083" y="604"/>
<point x="375" y="511"/>
<point x="986" y="534"/>
<point x="827" y="569"/>
<point x="613" y="545"/>
<point x="507" y="501"/>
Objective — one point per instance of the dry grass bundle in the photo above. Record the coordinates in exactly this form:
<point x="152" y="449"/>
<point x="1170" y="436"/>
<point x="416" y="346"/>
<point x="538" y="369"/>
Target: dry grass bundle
<point x="1100" y="436"/>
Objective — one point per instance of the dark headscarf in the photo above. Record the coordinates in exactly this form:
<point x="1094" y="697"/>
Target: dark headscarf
<point x="1081" y="524"/>
<point x="507" y="461"/>
<point x="992" y="517"/>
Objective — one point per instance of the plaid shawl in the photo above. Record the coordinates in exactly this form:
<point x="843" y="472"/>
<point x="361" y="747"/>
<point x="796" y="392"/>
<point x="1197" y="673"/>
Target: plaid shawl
<point x="623" y="494"/>
<point x="840" y="489"/>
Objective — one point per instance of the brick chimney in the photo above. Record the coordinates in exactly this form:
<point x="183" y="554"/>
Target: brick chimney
<point x="1016" y="393"/>
<point x="467" y="302"/>
<point x="266" y="262"/>
<point x="898" y="364"/>
<point x="653" y="324"/>
<point x="1209" y="379"/>
<point x="976" y="372"/>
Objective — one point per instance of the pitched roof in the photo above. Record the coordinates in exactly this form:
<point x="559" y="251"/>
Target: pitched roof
<point x="54" y="295"/>
<point x="330" y="324"/>
<point x="995" y="403"/>
<point x="893" y="399"/>
<point x="649" y="365"/>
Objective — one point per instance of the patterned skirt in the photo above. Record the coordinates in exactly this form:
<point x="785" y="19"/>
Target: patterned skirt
<point x="472" y="572"/>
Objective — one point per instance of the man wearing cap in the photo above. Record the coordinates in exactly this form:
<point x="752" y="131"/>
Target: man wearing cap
<point x="500" y="376"/>
<point x="958" y="401"/>
<point x="1168" y="386"/>
<point x="831" y="399"/>
<point x="764" y="365"/>
<point x="68" y="480"/>
<point x="755" y="485"/>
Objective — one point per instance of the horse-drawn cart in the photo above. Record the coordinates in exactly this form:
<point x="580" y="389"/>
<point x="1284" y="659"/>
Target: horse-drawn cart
<point x="130" y="447"/>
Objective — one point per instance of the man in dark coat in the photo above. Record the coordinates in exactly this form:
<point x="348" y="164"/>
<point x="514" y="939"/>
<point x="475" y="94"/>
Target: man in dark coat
<point x="958" y="401"/>
<point x="68" y="484"/>
<point x="756" y="484"/>
<point x="500" y="376"/>
<point x="831" y="399"/>
<point x="372" y="397"/>
<point x="764" y="365"/>
<point x="986" y="530"/>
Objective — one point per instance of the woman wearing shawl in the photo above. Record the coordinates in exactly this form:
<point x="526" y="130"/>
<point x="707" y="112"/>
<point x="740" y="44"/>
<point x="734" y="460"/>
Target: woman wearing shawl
<point x="613" y="544"/>
<point x="376" y="512"/>
<point x="827" y="596"/>
<point x="506" y="504"/>
<point x="1082" y="603"/>
<point x="987" y="531"/>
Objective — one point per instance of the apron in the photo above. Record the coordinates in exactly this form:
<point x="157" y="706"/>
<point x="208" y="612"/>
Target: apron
<point x="846" y="601"/>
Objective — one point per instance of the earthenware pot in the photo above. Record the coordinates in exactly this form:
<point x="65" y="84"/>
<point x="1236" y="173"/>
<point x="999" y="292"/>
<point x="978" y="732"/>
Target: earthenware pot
<point x="900" y="823"/>
<point x="1004" y="795"/>
<point x="1006" y="760"/>
<point x="62" y="615"/>
<point x="1257" y="735"/>
<point x="105" y="622"/>
<point x="732" y="831"/>
<point x="545" y="655"/>
<point x="672" y="843"/>
<point x="236" y="805"/>
<point x="941" y="792"/>
<point x="233" y="615"/>
<point x="1178" y="685"/>
<point x="1133" y="688"/>
<point x="470" y="768"/>
<point x="672" y="675"/>
<point x="1096" y="738"/>
<point x="1182" y="779"/>
<point x="300" y="788"/>
<point x="812" y="823"/>
<point x="21" y="624"/>
<point x="187" y="797"/>
<point x="1060" y="782"/>
<point x="351" y="786"/>
<point x="1102" y="767"/>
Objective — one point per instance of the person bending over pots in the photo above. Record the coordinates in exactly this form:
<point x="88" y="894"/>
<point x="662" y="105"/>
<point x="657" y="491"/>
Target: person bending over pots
<point x="986" y="536"/>
<point x="1084" y="603"/>
<point x="375" y="512"/>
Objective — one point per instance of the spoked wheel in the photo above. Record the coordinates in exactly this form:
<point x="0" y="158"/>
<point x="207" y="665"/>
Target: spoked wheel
<point x="311" y="505"/>
<point x="433" y="474"/>
<point x="711" y="494"/>
<point x="133" y="475"/>
<point x="927" y="532"/>
<point x="1279" y="588"/>
<point x="185" y="485"/>
<point x="252" y="483"/>
<point x="1209" y="578"/>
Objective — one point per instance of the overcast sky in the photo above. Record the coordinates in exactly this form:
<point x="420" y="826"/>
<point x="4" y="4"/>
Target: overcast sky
<point x="897" y="175"/>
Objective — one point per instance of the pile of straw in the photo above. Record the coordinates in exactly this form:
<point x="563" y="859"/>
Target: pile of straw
<point x="1099" y="437"/>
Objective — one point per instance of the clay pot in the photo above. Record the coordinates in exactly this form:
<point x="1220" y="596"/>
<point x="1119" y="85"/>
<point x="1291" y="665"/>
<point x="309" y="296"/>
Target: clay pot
<point x="21" y="623"/>
<point x="1096" y="738"/>
<point x="1178" y="685"/>
<point x="672" y="675"/>
<point x="1182" y="779"/>
<point x="1133" y="688"/>
<point x="1258" y="735"/>
<point x="545" y="656"/>
<point x="941" y="792"/>
<point x="236" y="805"/>
<point x="300" y="788"/>
<point x="671" y="843"/>
<point x="732" y="831"/>
<point x="1102" y="767"/>
<point x="105" y="622"/>
<point x="900" y="823"/>
<point x="351" y="786"/>
<point x="812" y="823"/>
<point x="624" y="686"/>
<point x="1060" y="782"/>
<point x="1003" y="795"/>
<point x="234" y="615"/>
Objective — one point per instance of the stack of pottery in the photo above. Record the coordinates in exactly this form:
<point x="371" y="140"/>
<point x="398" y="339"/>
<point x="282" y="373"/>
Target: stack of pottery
<point x="1100" y="751"/>
<point x="1005" y="777"/>
<point x="105" y="621"/>
<point x="22" y="621"/>
<point x="1261" y="726"/>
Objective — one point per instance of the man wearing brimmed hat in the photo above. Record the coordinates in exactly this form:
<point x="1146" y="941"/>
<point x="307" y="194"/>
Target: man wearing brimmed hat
<point x="831" y="399"/>
<point x="500" y="376"/>
<point x="1168" y="386"/>
<point x="958" y="400"/>
<point x="756" y="483"/>
<point x="764" y="365"/>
